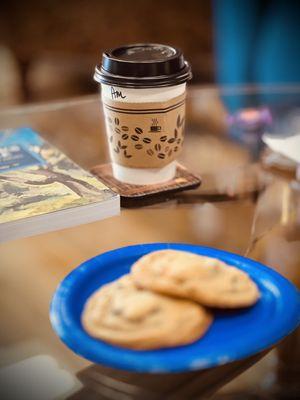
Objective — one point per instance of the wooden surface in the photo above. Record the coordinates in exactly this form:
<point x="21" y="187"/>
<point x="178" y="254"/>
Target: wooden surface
<point x="265" y="226"/>
<point x="32" y="268"/>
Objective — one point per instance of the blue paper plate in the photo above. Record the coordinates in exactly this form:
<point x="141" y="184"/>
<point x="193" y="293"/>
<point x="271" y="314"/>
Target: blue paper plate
<point x="232" y="336"/>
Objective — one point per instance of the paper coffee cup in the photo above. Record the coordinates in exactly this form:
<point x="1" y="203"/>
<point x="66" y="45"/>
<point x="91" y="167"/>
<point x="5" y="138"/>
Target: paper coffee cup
<point x="143" y="96"/>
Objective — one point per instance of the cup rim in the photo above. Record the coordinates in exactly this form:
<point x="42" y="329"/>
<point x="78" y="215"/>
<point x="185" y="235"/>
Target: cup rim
<point x="169" y="71"/>
<point x="102" y="76"/>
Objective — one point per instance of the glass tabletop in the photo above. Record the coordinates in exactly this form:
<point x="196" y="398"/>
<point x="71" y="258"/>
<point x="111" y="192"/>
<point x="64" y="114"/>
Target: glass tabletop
<point x="248" y="203"/>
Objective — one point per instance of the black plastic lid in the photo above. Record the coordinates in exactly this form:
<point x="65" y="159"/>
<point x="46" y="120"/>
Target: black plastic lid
<point x="143" y="65"/>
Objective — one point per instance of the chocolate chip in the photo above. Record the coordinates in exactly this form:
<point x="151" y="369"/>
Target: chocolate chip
<point x="116" y="150"/>
<point x="163" y="138"/>
<point x="157" y="147"/>
<point x="161" y="155"/>
<point x="138" y="146"/>
<point x="125" y="136"/>
<point x="175" y="133"/>
<point x="117" y="121"/>
<point x="176" y="148"/>
<point x="139" y="130"/>
<point x="156" y="310"/>
<point x="135" y="138"/>
<point x="178" y="141"/>
<point x="147" y="140"/>
<point x="117" y="130"/>
<point x="150" y="152"/>
<point x="172" y="140"/>
<point x="125" y="128"/>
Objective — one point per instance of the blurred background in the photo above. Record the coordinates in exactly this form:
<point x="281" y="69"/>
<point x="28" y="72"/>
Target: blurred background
<point x="49" y="48"/>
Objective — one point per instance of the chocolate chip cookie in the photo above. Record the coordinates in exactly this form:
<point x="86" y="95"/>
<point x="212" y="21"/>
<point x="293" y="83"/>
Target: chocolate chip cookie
<point x="205" y="280"/>
<point x="124" y="315"/>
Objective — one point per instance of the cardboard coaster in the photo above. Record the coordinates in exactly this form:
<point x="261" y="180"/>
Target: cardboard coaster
<point x="137" y="195"/>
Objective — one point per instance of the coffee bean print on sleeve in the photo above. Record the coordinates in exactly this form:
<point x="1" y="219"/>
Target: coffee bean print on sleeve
<point x="179" y="121"/>
<point x="128" y="139"/>
<point x="127" y="155"/>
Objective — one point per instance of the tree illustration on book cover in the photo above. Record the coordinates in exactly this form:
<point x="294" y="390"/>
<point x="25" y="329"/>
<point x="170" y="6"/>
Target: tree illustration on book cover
<point x="36" y="178"/>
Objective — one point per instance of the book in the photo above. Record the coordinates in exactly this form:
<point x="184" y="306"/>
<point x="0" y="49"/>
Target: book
<point x="42" y="190"/>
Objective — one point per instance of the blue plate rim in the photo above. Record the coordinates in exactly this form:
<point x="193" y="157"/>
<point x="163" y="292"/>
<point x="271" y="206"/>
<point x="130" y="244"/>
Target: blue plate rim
<point x="61" y="322"/>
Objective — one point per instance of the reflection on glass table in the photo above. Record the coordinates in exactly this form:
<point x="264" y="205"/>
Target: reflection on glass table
<point x="248" y="203"/>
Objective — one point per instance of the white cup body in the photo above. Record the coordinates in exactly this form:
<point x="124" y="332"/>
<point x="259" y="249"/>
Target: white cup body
<point x="142" y="176"/>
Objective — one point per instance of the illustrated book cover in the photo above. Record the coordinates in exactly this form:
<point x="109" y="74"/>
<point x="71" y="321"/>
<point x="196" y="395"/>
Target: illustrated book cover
<point x="43" y="190"/>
